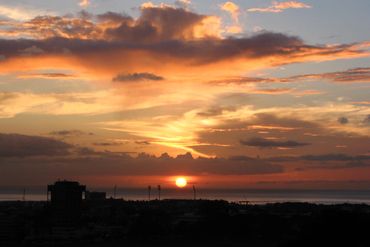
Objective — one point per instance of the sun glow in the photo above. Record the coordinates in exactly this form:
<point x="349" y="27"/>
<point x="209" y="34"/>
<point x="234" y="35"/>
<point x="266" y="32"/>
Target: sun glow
<point x="181" y="182"/>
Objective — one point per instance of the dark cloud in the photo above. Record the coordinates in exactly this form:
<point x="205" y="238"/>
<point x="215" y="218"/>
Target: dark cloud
<point x="357" y="164"/>
<point x="112" y="17"/>
<point x="85" y="151"/>
<point x="161" y="35"/>
<point x="241" y="158"/>
<point x="186" y="156"/>
<point x="202" y="51"/>
<point x="69" y="133"/>
<point x="335" y="157"/>
<point x="15" y="145"/>
<point x="50" y="159"/>
<point x="107" y="144"/>
<point x="137" y="77"/>
<point x="143" y="142"/>
<point x="47" y="157"/>
<point x="343" y="120"/>
<point x="92" y="163"/>
<point x="265" y="143"/>
<point x="350" y="75"/>
<point x="48" y="75"/>
<point x="215" y="111"/>
<point x="335" y="161"/>
<point x="156" y="24"/>
<point x="325" y="161"/>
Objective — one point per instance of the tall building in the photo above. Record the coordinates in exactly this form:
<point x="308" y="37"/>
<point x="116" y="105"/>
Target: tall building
<point x="65" y="198"/>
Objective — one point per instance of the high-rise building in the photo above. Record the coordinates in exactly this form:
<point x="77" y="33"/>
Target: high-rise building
<point x="65" y="198"/>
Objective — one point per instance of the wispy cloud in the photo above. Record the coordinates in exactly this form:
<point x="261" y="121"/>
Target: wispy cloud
<point x="47" y="76"/>
<point x="12" y="104"/>
<point x="355" y="75"/>
<point x="21" y="13"/>
<point x="277" y="7"/>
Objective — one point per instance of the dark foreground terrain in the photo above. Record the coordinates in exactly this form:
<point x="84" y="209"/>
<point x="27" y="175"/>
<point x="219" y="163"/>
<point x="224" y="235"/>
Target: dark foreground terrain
<point x="184" y="223"/>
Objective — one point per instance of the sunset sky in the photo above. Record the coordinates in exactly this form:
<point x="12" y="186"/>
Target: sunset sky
<point x="242" y="94"/>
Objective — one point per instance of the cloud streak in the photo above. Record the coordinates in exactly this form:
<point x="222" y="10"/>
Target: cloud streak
<point x="278" y="7"/>
<point x="12" y="104"/>
<point x="265" y="143"/>
<point x="137" y="77"/>
<point x="68" y="133"/>
<point x="355" y="75"/>
<point x="47" y="76"/>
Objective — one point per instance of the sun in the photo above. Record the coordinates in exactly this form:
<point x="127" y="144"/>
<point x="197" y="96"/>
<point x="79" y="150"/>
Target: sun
<point x="181" y="182"/>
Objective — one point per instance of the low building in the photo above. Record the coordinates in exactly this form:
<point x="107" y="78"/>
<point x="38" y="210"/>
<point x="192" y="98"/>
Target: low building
<point x="95" y="196"/>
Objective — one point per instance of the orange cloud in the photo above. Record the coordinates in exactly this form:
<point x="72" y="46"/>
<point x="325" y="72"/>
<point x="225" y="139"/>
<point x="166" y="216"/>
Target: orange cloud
<point x="162" y="40"/>
<point x="167" y="57"/>
<point x="278" y="7"/>
<point x="291" y="5"/>
<point x="12" y="104"/>
<point x="234" y="11"/>
<point x="84" y="3"/>
<point x="232" y="8"/>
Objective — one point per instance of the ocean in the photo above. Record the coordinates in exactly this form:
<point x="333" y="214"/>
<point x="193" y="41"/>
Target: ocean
<point x="231" y="195"/>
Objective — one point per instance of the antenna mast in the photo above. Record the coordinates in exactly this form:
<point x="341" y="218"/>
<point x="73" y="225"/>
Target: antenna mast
<point x="149" y="191"/>
<point x="24" y="194"/>
<point x="195" y="192"/>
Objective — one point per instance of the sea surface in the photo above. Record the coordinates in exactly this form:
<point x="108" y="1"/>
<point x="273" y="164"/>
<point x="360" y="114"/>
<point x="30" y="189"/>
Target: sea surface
<point x="231" y="195"/>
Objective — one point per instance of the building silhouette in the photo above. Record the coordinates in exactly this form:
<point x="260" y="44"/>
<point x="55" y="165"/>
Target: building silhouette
<point x="65" y="201"/>
<point x="95" y="196"/>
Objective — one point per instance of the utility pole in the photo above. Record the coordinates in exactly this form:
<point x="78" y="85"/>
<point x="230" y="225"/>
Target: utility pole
<point x="24" y="194"/>
<point x="115" y="192"/>
<point x="195" y="192"/>
<point x="159" y="192"/>
<point x="149" y="191"/>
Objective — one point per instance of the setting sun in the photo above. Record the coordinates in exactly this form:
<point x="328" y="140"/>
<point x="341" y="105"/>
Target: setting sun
<point x="181" y="182"/>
